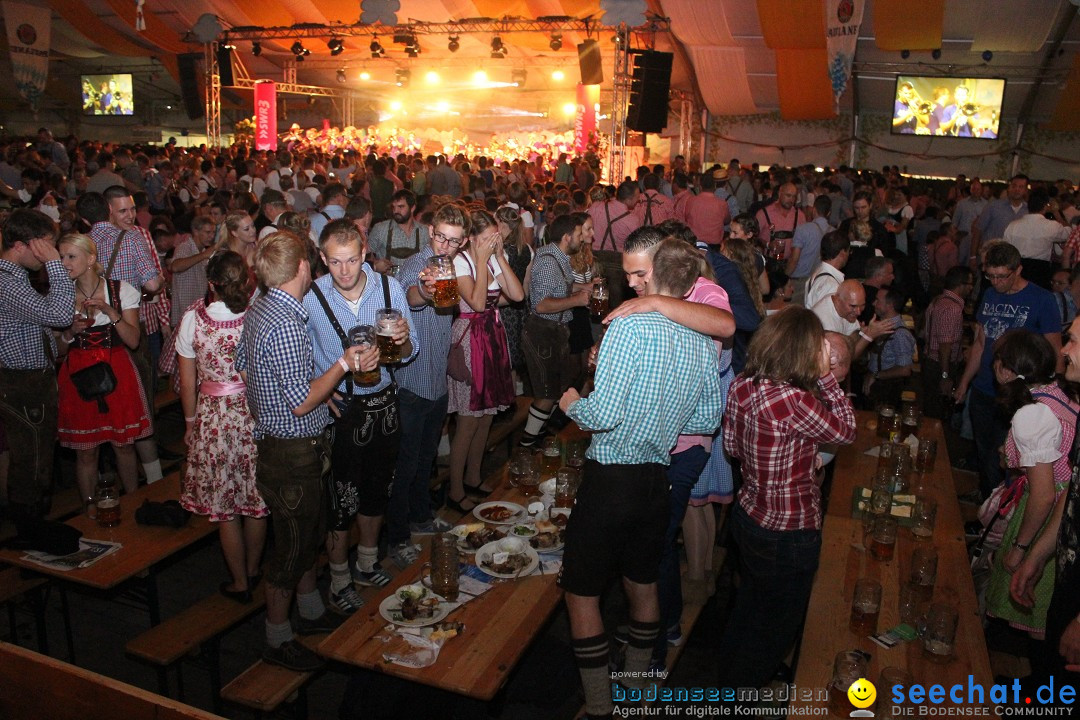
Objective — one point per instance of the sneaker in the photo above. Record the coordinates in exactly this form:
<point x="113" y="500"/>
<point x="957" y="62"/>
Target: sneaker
<point x="375" y="578"/>
<point x="674" y="636"/>
<point x="294" y="656"/>
<point x="621" y="634"/>
<point x="347" y="601"/>
<point x="404" y="554"/>
<point x="432" y="526"/>
<point x="325" y="623"/>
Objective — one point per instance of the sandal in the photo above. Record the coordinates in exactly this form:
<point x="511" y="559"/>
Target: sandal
<point x="456" y="505"/>
<point x="477" y="490"/>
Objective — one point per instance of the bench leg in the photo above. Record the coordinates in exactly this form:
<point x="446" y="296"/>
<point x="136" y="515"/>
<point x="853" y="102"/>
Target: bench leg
<point x="12" y="624"/>
<point x="163" y="682"/>
<point x="213" y="660"/>
<point x="68" y="635"/>
<point x="38" y="602"/>
<point x="300" y="707"/>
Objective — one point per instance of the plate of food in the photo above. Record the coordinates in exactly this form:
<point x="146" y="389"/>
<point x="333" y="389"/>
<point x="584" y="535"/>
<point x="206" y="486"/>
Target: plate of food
<point x="508" y="558"/>
<point x="499" y="512"/>
<point x="548" y="538"/>
<point x="414" y="606"/>
<point x="473" y="536"/>
<point x="521" y="530"/>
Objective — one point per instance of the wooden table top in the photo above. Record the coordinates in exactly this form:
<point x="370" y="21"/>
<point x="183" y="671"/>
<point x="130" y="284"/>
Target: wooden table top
<point x="844" y="560"/>
<point x="499" y="626"/>
<point x="143" y="545"/>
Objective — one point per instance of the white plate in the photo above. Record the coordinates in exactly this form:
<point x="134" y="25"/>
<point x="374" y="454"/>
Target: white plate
<point x="558" y="547"/>
<point x="519" y="512"/>
<point x="521" y="530"/>
<point x="491" y="548"/>
<point x="461" y="533"/>
<point x="390" y="609"/>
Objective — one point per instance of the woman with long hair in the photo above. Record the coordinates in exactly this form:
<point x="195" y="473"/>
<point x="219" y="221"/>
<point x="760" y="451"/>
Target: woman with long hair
<point x="1037" y="453"/>
<point x="219" y="481"/>
<point x="485" y="281"/>
<point x="783" y="405"/>
<point x="745" y="227"/>
<point x="105" y="327"/>
<point x="520" y="255"/>
<point x="584" y="269"/>
<point x="242" y="236"/>
<point x="744" y="255"/>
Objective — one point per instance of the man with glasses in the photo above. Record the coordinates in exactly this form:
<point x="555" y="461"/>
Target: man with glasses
<point x="1010" y="302"/>
<point x="422" y="392"/>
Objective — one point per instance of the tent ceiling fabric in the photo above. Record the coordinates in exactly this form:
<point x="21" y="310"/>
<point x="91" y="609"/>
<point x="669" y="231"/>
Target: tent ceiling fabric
<point x="1012" y="26"/>
<point x="908" y="24"/>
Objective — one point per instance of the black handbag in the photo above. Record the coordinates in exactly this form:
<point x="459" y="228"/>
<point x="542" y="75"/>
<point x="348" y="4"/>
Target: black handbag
<point x="95" y="382"/>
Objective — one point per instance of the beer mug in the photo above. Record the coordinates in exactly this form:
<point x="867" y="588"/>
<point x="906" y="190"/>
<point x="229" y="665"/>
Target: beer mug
<point x="524" y="472"/>
<point x="385" y="320"/>
<point x="883" y="539"/>
<point x="888" y="422"/>
<point x="939" y="638"/>
<point x="926" y="455"/>
<point x="890" y="678"/>
<point x="865" y="607"/>
<point x="600" y="301"/>
<point x="923" y="515"/>
<point x="551" y="457"/>
<point x="444" y="566"/>
<point x="364" y="336"/>
<point x="566" y="485"/>
<point x="446" y="292"/>
<point x="849" y="666"/>
<point x="924" y="561"/>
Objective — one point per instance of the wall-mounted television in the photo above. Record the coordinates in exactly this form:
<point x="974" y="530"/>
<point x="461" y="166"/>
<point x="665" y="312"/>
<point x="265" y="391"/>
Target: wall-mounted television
<point x="107" y="94"/>
<point x="947" y="106"/>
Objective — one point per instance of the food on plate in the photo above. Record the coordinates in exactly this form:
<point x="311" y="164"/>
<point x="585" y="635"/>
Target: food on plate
<point x="479" y="538"/>
<point x="505" y="563"/>
<point x="546" y="526"/>
<point x="497" y="513"/>
<point x="545" y="540"/>
<point x="560" y="519"/>
<point x="416" y="603"/>
<point x="525" y="531"/>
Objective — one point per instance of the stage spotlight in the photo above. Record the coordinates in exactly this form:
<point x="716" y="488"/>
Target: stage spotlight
<point x="395" y="105"/>
<point x="336" y="46"/>
<point x="905" y="54"/>
<point x="310" y="100"/>
<point x="480" y="77"/>
<point x="432" y="77"/>
<point x="453" y="45"/>
<point x="443" y="107"/>
<point x="412" y="48"/>
<point x="936" y="54"/>
<point x="558" y="75"/>
<point x="376" y="49"/>
<point x="498" y="50"/>
<point x="402" y="77"/>
<point x="556" y="41"/>
<point x="297" y="48"/>
<point x="518" y="77"/>
<point x="341" y="75"/>
<point x="256" y="49"/>
<point x="569" y="109"/>
<point x="365" y="76"/>
<point x="987" y="56"/>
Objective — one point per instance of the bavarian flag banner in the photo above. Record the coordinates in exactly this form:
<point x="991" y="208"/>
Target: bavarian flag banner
<point x="842" y="21"/>
<point x="28" y="31"/>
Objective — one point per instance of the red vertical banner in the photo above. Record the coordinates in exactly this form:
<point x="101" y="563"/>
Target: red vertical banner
<point x="585" y="117"/>
<point x="266" y="135"/>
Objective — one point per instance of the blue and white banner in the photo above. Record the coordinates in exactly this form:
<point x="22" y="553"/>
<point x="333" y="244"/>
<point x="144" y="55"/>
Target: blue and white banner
<point x="28" y="32"/>
<point x="842" y="21"/>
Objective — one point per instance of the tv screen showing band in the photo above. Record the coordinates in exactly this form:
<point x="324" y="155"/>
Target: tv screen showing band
<point x="948" y="107"/>
<point x="107" y="94"/>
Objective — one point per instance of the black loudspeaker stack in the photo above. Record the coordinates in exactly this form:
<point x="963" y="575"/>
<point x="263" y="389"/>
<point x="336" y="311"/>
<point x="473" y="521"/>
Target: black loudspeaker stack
<point x="189" y="86"/>
<point x="589" y="62"/>
<point x="649" y="85"/>
<point x="224" y="61"/>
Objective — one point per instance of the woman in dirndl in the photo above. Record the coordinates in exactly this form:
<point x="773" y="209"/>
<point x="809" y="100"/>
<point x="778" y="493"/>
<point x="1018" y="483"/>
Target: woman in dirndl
<point x="105" y="327"/>
<point x="219" y="481"/>
<point x="485" y="281"/>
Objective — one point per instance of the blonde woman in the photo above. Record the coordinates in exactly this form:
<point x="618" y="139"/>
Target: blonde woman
<point x="242" y="236"/>
<point x="105" y="327"/>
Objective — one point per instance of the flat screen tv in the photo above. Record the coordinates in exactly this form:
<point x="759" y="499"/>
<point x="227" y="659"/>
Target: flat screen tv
<point x="107" y="94"/>
<point x="947" y="106"/>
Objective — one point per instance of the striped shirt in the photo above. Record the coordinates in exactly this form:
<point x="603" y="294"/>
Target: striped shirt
<point x="425" y="376"/>
<point x="275" y="350"/>
<point x="551" y="277"/>
<point x="324" y="338"/>
<point x="26" y="315"/>
<point x="655" y="379"/>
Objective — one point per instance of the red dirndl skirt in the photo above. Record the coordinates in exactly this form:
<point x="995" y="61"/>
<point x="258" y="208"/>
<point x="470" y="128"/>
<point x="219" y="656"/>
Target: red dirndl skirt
<point x="80" y="425"/>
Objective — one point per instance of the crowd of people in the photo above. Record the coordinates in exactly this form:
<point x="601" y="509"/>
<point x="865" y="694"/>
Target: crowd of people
<point x="750" y="312"/>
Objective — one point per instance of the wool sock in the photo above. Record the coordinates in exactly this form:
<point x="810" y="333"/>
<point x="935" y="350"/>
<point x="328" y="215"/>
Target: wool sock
<point x="366" y="557"/>
<point x="639" y="653"/>
<point x="591" y="655"/>
<point x="310" y="605"/>
<point x="339" y="576"/>
<point x="537" y="417"/>
<point x="278" y="633"/>
<point x="152" y="470"/>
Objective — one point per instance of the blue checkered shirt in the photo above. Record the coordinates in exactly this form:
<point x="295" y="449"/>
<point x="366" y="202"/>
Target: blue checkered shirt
<point x="425" y="376"/>
<point x="26" y="315"/>
<point x="326" y="341"/>
<point x="655" y="380"/>
<point x="134" y="263"/>
<point x="551" y="277"/>
<point x="276" y="352"/>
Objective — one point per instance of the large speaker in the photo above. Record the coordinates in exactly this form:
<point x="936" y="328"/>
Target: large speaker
<point x="590" y="64"/>
<point x="189" y="86"/>
<point x="224" y="62"/>
<point x="649" y="84"/>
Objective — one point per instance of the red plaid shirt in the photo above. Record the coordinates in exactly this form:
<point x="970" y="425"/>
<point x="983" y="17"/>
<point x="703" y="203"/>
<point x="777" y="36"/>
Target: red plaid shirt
<point x="155" y="312"/>
<point x="775" y="431"/>
<point x="945" y="323"/>
<point x="1072" y="245"/>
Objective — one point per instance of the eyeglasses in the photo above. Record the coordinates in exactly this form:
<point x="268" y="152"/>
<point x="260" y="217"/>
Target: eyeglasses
<point x="993" y="278"/>
<point x="452" y="242"/>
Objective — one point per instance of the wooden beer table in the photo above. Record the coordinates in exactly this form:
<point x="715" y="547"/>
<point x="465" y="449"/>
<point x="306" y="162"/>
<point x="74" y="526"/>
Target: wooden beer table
<point x="143" y="546"/>
<point x="844" y="559"/>
<point x="500" y="625"/>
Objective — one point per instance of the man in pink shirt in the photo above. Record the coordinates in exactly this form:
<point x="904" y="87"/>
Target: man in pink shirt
<point x="707" y="214"/>
<point x="682" y="196"/>
<point x="779" y="219"/>
<point x="654" y="207"/>
<point x="613" y="221"/>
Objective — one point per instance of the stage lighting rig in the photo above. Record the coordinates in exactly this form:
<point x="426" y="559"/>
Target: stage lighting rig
<point x="556" y="41"/>
<point x="498" y="49"/>
<point x="256" y="49"/>
<point x="377" y="50"/>
<point x="336" y="46"/>
<point x="341" y="75"/>
<point x="453" y="45"/>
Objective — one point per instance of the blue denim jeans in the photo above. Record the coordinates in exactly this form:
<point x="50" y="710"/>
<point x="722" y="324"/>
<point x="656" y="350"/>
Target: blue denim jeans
<point x="683" y="474"/>
<point x="421" y="427"/>
<point x="990" y="430"/>
<point x="777" y="571"/>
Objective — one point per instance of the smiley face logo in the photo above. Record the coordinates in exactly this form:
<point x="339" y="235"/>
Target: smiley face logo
<point x="862" y="693"/>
